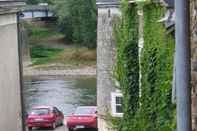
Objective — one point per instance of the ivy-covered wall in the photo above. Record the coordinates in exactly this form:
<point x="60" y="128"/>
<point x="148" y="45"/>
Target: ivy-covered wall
<point x="157" y="72"/>
<point x="127" y="68"/>
<point x="147" y="107"/>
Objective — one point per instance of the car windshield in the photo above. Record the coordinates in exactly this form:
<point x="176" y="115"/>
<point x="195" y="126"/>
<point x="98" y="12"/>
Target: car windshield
<point x="84" y="111"/>
<point x="39" y="112"/>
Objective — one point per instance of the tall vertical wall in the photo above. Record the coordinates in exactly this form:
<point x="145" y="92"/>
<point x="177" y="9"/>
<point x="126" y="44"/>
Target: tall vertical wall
<point x="105" y="62"/>
<point x="10" y="102"/>
<point x="194" y="61"/>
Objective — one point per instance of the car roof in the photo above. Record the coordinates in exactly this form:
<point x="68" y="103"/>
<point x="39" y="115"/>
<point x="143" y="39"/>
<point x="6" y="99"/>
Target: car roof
<point x="87" y="107"/>
<point x="41" y="107"/>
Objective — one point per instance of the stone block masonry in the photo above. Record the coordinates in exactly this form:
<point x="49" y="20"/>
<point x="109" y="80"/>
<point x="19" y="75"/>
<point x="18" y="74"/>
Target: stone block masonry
<point x="105" y="63"/>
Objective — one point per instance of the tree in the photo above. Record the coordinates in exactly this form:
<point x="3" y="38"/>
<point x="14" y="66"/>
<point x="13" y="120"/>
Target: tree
<point x="34" y="2"/>
<point x="77" y="20"/>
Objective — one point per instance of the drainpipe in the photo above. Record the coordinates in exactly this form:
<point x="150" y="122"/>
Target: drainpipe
<point x="23" y="115"/>
<point x="183" y="65"/>
<point x="140" y="44"/>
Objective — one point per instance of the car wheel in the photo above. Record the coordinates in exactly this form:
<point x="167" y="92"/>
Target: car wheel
<point x="70" y="129"/>
<point x="62" y="123"/>
<point x="29" y="128"/>
<point x="53" y="125"/>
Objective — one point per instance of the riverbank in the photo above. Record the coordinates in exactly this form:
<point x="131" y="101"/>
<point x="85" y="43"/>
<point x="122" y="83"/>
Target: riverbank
<point x="85" y="71"/>
<point x="51" y="55"/>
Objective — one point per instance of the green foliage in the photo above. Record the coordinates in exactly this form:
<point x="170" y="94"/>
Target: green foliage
<point x="157" y="70"/>
<point x="127" y="68"/>
<point x="148" y="108"/>
<point x="71" y="57"/>
<point x="39" y="33"/>
<point x="41" y="55"/>
<point x="40" y="51"/>
<point x="34" y="2"/>
<point x="77" y="19"/>
<point x="47" y="48"/>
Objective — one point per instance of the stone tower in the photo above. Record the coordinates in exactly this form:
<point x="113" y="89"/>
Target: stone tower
<point x="10" y="80"/>
<point x="108" y="11"/>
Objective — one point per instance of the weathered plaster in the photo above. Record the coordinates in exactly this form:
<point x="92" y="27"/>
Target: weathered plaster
<point x="10" y="102"/>
<point x="7" y="19"/>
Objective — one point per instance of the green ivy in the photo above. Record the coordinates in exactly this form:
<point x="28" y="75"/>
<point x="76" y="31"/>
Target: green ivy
<point x="153" y="111"/>
<point x="157" y="70"/>
<point x="127" y="68"/>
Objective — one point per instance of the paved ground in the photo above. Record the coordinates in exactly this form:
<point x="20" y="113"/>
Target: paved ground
<point x="62" y="128"/>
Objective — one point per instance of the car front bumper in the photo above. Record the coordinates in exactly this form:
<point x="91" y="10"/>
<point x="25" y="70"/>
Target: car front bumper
<point x="40" y="124"/>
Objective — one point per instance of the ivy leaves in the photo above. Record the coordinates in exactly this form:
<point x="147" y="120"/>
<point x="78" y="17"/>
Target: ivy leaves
<point x="152" y="110"/>
<point x="127" y="67"/>
<point x="157" y="108"/>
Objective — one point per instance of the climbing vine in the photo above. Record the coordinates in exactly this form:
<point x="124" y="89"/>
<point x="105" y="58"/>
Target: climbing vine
<point x="149" y="107"/>
<point x="127" y="68"/>
<point x="157" y="70"/>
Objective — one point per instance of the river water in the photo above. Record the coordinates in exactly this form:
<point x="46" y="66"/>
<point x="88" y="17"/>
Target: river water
<point x="63" y="92"/>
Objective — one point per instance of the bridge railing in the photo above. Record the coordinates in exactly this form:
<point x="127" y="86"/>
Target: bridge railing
<point x="38" y="11"/>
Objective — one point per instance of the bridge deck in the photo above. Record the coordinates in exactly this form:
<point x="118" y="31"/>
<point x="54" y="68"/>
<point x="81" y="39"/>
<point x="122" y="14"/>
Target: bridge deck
<point x="37" y="11"/>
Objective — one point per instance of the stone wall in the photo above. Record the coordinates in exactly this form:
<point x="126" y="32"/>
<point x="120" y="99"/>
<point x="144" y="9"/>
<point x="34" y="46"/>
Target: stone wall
<point x="194" y="61"/>
<point x="105" y="63"/>
<point x="10" y="100"/>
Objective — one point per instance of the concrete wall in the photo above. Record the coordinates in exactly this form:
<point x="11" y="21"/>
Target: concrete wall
<point x="10" y="103"/>
<point x="105" y="63"/>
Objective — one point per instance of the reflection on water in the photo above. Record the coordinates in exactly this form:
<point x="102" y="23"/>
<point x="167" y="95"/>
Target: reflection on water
<point x="64" y="93"/>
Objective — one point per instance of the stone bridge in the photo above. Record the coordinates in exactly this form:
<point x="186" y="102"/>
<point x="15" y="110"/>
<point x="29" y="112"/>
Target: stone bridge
<point x="37" y="11"/>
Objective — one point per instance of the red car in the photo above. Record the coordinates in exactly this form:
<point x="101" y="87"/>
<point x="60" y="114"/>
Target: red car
<point x="84" y="117"/>
<point x="45" y="116"/>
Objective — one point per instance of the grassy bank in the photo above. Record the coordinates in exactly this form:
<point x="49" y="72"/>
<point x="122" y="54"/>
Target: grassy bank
<point x="72" y="57"/>
<point x="49" y="48"/>
<point x="42" y="32"/>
